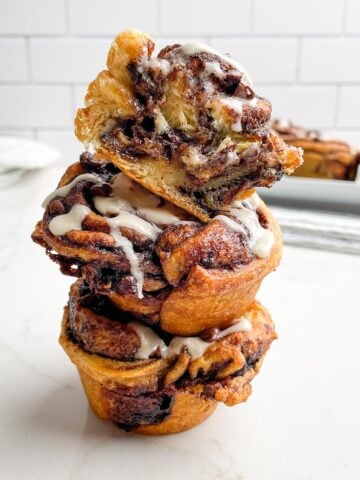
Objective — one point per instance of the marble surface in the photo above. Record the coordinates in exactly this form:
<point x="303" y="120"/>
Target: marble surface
<point x="302" y="421"/>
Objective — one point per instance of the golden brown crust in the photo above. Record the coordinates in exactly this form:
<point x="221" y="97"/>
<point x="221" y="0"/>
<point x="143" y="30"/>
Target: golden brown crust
<point x="189" y="410"/>
<point x="211" y="298"/>
<point x="141" y="395"/>
<point x="111" y="93"/>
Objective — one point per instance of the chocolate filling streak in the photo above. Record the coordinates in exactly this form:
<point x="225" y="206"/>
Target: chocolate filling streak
<point x="129" y="412"/>
<point x="223" y="190"/>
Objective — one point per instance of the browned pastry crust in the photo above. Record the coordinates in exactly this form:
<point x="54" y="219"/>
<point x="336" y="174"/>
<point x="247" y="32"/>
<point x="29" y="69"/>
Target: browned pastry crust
<point x="197" y="276"/>
<point x="166" y="395"/>
<point x="170" y="123"/>
<point x="331" y="159"/>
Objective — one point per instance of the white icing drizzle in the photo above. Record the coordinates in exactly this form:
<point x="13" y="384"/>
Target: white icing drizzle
<point x="159" y="216"/>
<point x="264" y="244"/>
<point x="260" y="240"/>
<point x="229" y="222"/>
<point x="112" y="205"/>
<point x="161" y="64"/>
<point x="154" y="64"/>
<point x="231" y="157"/>
<point x="128" y="249"/>
<point x="126" y="189"/>
<point x="135" y="208"/>
<point x="209" y="87"/>
<point x="194" y="47"/>
<point x="149" y="341"/>
<point x="213" y="68"/>
<point x="130" y="220"/>
<point x="63" y="191"/>
<point x="196" y="347"/>
<point x="72" y="220"/>
<point x="242" y="325"/>
<point x="130" y="206"/>
<point x="235" y="104"/>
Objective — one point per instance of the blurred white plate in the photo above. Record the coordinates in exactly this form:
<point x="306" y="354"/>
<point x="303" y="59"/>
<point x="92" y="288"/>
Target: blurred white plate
<point x="10" y="176"/>
<point x="316" y="193"/>
<point x="25" y="153"/>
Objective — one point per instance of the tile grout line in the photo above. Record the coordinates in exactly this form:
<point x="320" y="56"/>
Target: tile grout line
<point x="299" y="50"/>
<point x="337" y="105"/>
<point x="345" y="11"/>
<point x="28" y="61"/>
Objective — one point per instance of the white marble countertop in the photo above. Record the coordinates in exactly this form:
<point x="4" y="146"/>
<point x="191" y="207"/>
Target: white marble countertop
<point x="301" y="422"/>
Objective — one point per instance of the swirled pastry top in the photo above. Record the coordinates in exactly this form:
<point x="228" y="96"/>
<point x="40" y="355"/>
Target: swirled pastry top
<point x="137" y="248"/>
<point x="186" y="124"/>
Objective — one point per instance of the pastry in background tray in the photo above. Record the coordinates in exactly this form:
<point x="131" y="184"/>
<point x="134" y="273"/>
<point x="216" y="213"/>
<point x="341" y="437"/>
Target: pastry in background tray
<point x="323" y="158"/>
<point x="186" y="124"/>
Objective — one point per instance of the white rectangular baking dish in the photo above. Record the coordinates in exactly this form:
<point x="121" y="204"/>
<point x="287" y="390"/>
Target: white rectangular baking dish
<point x="338" y="195"/>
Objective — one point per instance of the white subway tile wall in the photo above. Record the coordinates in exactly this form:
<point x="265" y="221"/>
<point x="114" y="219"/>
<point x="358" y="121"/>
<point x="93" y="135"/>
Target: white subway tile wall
<point x="303" y="55"/>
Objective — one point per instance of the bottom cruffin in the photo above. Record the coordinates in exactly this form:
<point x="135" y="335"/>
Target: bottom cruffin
<point x="148" y="397"/>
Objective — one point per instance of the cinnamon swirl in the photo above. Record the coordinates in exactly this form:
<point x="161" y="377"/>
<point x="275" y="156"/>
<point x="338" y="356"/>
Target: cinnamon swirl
<point x="153" y="259"/>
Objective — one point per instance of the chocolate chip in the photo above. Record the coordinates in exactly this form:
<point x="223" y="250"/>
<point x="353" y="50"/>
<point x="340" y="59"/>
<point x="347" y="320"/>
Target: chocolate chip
<point x="209" y="335"/>
<point x="230" y="84"/>
<point x="87" y="160"/>
<point x="244" y="91"/>
<point x="103" y="190"/>
<point x="156" y="353"/>
<point x="148" y="124"/>
<point x="84" y="289"/>
<point x="92" y="301"/>
<point x="56" y="207"/>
